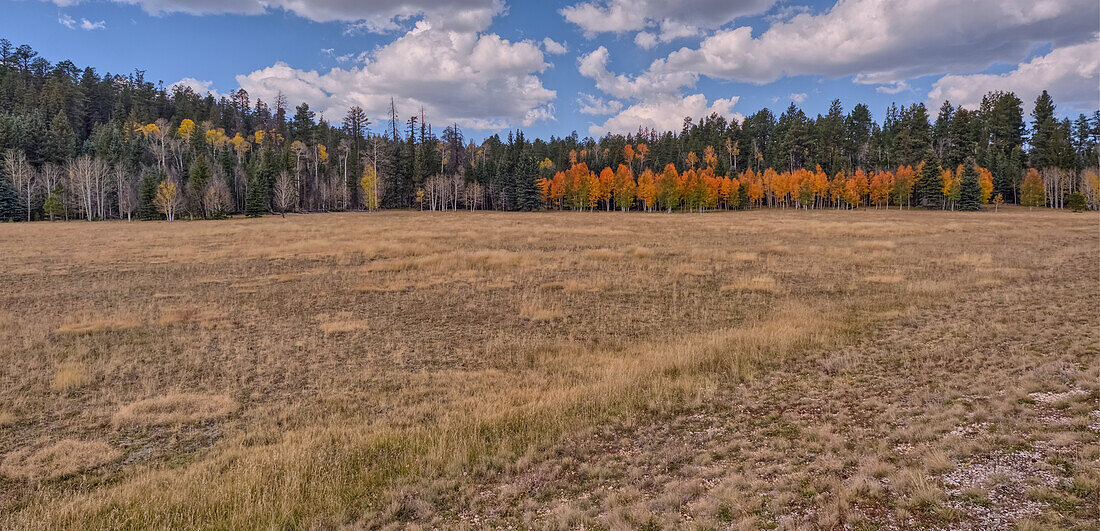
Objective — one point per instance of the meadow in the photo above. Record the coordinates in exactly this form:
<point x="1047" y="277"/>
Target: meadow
<point x="764" y="368"/>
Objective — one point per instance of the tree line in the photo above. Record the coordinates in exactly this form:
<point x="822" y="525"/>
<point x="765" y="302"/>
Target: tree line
<point x="78" y="144"/>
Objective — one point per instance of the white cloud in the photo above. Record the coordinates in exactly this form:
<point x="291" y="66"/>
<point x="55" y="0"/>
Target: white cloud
<point x="783" y="13"/>
<point x="798" y="97"/>
<point x="645" y="39"/>
<point x="368" y="15"/>
<point x="647" y="85"/>
<point x="84" y="24"/>
<point x="1071" y="74"/>
<point x="478" y="80"/>
<point x="669" y="30"/>
<point x="200" y="87"/>
<point x="664" y="114"/>
<point x="892" y="88"/>
<point x="620" y="16"/>
<point x="886" y="41"/>
<point x="590" y="104"/>
<point x="553" y="47"/>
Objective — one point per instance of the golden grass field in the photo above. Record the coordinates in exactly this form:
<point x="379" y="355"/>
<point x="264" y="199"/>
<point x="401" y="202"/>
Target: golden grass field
<point x="772" y="368"/>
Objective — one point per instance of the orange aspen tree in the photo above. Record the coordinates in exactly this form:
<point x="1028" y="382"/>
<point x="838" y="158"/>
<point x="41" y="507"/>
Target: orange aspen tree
<point x="624" y="187"/>
<point x="881" y="184"/>
<point x="668" y="194"/>
<point x="647" y="189"/>
<point x="1032" y="191"/>
<point x="606" y="187"/>
<point x="985" y="180"/>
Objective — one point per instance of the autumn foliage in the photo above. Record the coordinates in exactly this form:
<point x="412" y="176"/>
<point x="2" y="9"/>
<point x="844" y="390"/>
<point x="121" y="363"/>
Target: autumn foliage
<point x="699" y="188"/>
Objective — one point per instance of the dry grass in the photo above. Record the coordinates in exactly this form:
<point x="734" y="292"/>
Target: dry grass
<point x="70" y="376"/>
<point x="59" y="459"/>
<point x="541" y="370"/>
<point x="761" y="283"/>
<point x="102" y="325"/>
<point x="174" y="409"/>
<point x="537" y="312"/>
<point x="345" y="326"/>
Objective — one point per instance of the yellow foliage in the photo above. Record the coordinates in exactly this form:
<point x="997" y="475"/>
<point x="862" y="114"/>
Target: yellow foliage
<point x="369" y="182"/>
<point x="187" y="126"/>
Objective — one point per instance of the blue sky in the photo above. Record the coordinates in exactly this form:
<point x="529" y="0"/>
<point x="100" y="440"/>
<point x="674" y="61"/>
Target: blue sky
<point x="487" y="64"/>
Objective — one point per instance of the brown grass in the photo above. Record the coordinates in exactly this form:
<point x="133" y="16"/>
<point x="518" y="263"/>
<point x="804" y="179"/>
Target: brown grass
<point x="761" y="283"/>
<point x="59" y="459"/>
<point x="175" y="408"/>
<point x="344" y="327"/>
<point x="543" y="370"/>
<point x="91" y="327"/>
<point x="70" y="376"/>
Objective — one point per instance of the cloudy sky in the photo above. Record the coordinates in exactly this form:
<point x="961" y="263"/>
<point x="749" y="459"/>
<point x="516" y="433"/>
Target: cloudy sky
<point x="589" y="66"/>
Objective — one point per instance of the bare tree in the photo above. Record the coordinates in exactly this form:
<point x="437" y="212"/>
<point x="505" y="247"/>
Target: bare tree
<point x="216" y="198"/>
<point x="51" y="174"/>
<point x="285" y="192"/>
<point x="126" y="189"/>
<point x="23" y="177"/>
<point x="86" y="178"/>
<point x="345" y="152"/>
<point x="458" y="186"/>
<point x="475" y="196"/>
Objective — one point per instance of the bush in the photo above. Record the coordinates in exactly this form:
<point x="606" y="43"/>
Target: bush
<point x="1076" y="202"/>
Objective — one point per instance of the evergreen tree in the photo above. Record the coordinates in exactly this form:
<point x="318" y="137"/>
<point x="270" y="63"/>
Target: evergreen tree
<point x="52" y="206"/>
<point x="198" y="178"/>
<point x="929" y="188"/>
<point x="1043" y="128"/>
<point x="59" y="139"/>
<point x="1077" y="202"/>
<point x="11" y="208"/>
<point x="255" y="202"/>
<point x="147" y="193"/>
<point x="527" y="190"/>
<point x="970" y="192"/>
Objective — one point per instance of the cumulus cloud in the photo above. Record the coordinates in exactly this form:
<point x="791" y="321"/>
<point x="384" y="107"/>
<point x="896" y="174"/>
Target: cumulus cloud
<point x="373" y="15"/>
<point x="644" y="86"/>
<point x="590" y="104"/>
<point x="798" y="97"/>
<point x="658" y="105"/>
<point x="553" y="47"/>
<point x="199" y="87"/>
<point x="1071" y="74"/>
<point x="619" y="16"/>
<point x="887" y="41"/>
<point x="664" y="114"/>
<point x="480" y="81"/>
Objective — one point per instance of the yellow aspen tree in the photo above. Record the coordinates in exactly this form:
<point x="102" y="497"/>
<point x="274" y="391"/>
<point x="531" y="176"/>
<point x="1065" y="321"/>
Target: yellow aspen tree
<point x="369" y="183"/>
<point x="168" y="199"/>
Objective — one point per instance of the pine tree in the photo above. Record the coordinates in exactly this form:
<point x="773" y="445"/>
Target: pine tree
<point x="147" y="193"/>
<point x="255" y="199"/>
<point x="52" y="206"/>
<point x="11" y="208"/>
<point x="197" y="178"/>
<point x="970" y="193"/>
<point x="59" y="139"/>
<point x="527" y="190"/>
<point x="930" y="183"/>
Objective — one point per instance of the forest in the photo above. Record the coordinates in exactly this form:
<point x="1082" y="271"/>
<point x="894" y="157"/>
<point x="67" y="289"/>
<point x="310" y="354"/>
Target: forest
<point x="77" y="144"/>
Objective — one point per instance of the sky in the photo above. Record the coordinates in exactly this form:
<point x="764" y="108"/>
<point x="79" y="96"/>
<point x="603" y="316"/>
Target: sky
<point x="590" y="66"/>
